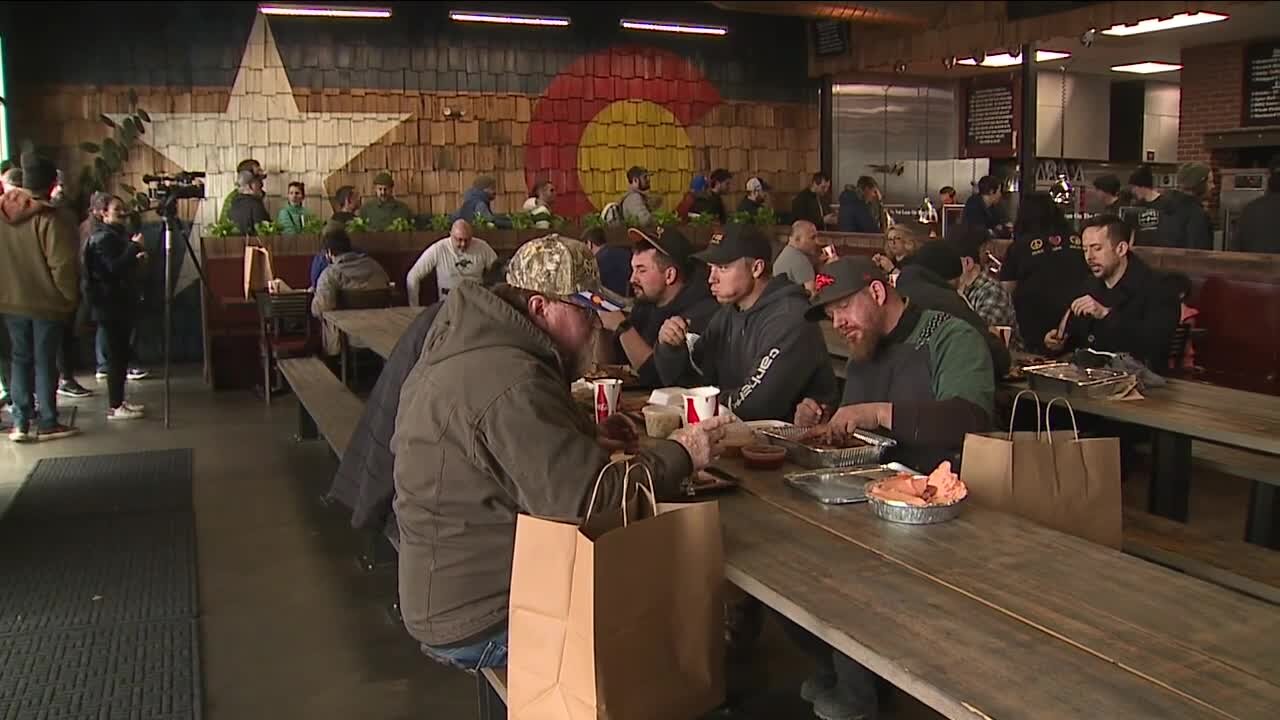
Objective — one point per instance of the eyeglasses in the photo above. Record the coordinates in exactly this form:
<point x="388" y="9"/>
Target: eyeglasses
<point x="590" y="315"/>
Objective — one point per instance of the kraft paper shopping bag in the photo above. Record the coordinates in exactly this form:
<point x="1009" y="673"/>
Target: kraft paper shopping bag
<point x="1057" y="479"/>
<point x="257" y="269"/>
<point x="619" y="618"/>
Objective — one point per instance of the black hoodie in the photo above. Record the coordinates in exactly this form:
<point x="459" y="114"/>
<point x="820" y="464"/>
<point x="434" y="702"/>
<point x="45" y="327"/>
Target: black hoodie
<point x="1182" y="223"/>
<point x="694" y="303"/>
<point x="765" y="360"/>
<point x="1144" y="314"/>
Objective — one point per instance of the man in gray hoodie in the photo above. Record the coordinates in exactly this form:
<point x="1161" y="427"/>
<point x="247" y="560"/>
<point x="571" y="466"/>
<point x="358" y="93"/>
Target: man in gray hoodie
<point x="347" y="270"/>
<point x="757" y="348"/>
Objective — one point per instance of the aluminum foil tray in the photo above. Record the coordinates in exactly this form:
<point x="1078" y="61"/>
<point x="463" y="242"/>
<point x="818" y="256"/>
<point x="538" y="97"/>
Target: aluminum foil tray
<point x="814" y="458"/>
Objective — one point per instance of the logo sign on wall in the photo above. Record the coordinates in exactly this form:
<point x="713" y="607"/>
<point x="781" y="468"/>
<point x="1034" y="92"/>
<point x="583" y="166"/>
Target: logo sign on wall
<point x="609" y="111"/>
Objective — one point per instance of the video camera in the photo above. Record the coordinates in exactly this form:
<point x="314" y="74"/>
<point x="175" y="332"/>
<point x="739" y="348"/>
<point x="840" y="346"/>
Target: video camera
<point x="180" y="186"/>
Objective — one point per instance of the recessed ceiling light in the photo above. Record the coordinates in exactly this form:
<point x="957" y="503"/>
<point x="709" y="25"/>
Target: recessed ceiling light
<point x="508" y="19"/>
<point x="1151" y="25"/>
<point x="330" y="11"/>
<point x="659" y="26"/>
<point x="1146" y="68"/>
<point x="1007" y="60"/>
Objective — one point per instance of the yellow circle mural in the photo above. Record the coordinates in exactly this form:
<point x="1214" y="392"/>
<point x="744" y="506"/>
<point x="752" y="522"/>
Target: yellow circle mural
<point x="634" y="132"/>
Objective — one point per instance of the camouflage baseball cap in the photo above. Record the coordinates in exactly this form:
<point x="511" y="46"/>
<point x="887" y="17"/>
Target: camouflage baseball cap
<point x="560" y="268"/>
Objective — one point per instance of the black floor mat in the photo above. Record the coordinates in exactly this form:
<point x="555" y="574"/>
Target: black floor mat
<point x="98" y="591"/>
<point x="131" y="671"/>
<point x="98" y="569"/>
<point x="153" y="481"/>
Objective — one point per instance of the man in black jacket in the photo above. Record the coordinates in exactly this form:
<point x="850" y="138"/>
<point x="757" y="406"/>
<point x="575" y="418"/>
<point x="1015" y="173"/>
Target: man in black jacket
<point x="712" y="201"/>
<point x="1259" y="229"/>
<point x="813" y="203"/>
<point x="666" y="282"/>
<point x="757" y="348"/>
<point x="247" y="209"/>
<point x="857" y="207"/>
<point x="1126" y="307"/>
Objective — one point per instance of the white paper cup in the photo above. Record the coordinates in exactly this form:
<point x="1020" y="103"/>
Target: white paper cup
<point x="606" y="393"/>
<point x="661" y="420"/>
<point x="701" y="404"/>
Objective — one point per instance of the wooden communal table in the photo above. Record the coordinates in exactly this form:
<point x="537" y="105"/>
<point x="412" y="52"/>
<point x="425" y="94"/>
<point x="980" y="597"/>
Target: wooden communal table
<point x="377" y="329"/>
<point x="993" y="616"/>
<point x="1178" y="413"/>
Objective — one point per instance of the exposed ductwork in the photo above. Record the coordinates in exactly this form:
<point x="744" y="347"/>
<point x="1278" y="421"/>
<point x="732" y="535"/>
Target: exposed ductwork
<point x="921" y="14"/>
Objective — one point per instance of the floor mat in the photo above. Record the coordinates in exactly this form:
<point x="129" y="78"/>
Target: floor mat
<point x="98" y="569"/>
<point x="136" y="670"/>
<point x="152" y="481"/>
<point x="98" y="591"/>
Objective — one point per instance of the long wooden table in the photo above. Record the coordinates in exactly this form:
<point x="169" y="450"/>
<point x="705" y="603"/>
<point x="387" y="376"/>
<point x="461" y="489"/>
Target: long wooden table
<point x="1178" y="413"/>
<point x="377" y="329"/>
<point x="988" y="616"/>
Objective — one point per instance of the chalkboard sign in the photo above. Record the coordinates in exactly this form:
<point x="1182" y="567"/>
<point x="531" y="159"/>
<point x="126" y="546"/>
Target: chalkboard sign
<point x="1262" y="84"/>
<point x="830" y="37"/>
<point x="989" y="117"/>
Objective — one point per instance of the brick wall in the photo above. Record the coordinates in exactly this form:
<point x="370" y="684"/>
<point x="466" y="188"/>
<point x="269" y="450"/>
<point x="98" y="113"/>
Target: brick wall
<point x="1212" y="99"/>
<point x="578" y="106"/>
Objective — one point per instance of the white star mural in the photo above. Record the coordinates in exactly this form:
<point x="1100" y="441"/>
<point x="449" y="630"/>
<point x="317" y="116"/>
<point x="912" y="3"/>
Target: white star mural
<point x="262" y="121"/>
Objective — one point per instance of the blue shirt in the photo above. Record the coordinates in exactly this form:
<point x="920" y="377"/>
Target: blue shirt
<point x="977" y="213"/>
<point x="615" y="268"/>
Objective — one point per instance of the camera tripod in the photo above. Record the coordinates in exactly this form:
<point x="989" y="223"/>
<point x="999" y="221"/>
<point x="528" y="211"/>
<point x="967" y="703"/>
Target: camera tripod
<point x="167" y="209"/>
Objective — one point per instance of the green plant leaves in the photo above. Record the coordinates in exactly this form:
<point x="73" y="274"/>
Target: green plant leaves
<point x="107" y="120"/>
<point x="91" y="148"/>
<point x="142" y="114"/>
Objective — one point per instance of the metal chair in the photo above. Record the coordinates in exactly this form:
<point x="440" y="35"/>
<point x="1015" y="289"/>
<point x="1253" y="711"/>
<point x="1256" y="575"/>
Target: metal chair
<point x="284" y="330"/>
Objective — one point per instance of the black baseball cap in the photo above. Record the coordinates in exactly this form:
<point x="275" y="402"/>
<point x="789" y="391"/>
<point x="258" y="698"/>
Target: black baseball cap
<point x="668" y="241"/>
<point x="840" y="279"/>
<point x="736" y="242"/>
<point x="635" y="171"/>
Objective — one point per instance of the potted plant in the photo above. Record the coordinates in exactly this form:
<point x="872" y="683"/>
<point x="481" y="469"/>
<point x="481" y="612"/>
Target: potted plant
<point x="700" y="229"/>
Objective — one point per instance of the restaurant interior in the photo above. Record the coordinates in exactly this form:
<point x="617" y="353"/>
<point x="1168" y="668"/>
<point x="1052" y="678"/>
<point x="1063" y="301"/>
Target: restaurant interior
<point x="557" y="360"/>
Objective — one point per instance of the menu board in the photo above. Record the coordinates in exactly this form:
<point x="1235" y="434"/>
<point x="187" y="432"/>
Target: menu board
<point x="830" y="37"/>
<point x="1262" y="84"/>
<point x="990" y="118"/>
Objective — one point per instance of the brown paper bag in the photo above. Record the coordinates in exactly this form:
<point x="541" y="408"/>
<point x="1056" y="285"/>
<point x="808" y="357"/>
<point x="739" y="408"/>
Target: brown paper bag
<point x="1057" y="479"/>
<point x="620" y="618"/>
<point x="257" y="269"/>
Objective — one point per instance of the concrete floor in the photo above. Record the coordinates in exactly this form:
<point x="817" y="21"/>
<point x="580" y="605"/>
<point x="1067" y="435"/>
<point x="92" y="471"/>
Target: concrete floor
<point x="290" y="625"/>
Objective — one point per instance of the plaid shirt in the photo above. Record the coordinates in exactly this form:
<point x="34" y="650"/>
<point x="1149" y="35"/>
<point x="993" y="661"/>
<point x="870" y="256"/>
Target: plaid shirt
<point x="991" y="301"/>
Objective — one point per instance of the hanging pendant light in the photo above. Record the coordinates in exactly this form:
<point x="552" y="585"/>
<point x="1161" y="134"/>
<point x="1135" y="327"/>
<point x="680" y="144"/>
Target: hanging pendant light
<point x="1061" y="190"/>
<point x="928" y="214"/>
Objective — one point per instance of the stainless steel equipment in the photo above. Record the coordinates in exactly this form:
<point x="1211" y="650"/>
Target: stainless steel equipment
<point x="1240" y="186"/>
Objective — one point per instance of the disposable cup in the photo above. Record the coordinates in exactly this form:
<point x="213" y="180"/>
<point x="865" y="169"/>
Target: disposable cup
<point x="661" y="420"/>
<point x="701" y="404"/>
<point x="606" y="392"/>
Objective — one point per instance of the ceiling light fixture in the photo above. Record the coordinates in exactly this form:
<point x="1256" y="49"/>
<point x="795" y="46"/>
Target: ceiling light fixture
<point x="508" y="19"/>
<point x="1146" y="68"/>
<point x="1006" y="60"/>
<point x="670" y="27"/>
<point x="1151" y="25"/>
<point x="329" y="11"/>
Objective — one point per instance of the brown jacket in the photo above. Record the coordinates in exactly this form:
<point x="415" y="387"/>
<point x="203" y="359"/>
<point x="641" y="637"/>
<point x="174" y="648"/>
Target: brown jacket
<point x="487" y="429"/>
<point x="39" y="263"/>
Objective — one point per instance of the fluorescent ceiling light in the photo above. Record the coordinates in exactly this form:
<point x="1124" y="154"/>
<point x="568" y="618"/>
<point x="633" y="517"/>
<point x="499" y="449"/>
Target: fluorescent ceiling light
<point x="332" y="11"/>
<point x="1007" y="60"/>
<point x="1151" y="25"/>
<point x="507" y="19"/>
<point x="1146" y="68"/>
<point x="674" y="27"/>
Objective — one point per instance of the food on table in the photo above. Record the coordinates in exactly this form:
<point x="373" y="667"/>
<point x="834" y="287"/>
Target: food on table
<point x="603" y="372"/>
<point x="828" y="437"/>
<point x="736" y="436"/>
<point x="764" y="457"/>
<point x="941" y="487"/>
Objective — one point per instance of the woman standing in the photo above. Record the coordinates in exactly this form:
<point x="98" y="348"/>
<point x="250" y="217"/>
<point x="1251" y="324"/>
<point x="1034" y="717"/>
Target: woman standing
<point x="109" y="261"/>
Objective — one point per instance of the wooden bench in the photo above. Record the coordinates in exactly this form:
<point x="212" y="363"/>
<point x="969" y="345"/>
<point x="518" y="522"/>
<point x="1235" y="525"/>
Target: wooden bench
<point x="1235" y="564"/>
<point x="325" y="406"/>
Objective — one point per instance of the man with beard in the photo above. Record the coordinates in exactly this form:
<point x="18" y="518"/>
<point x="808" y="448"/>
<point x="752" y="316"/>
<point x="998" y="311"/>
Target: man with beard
<point x="665" y="285"/>
<point x="637" y="205"/>
<point x="487" y="429"/>
<point x="756" y="349"/>
<point x="919" y="376"/>
<point x="1126" y="306"/>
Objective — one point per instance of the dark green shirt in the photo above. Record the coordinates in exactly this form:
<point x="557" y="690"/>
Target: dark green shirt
<point x="380" y="213"/>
